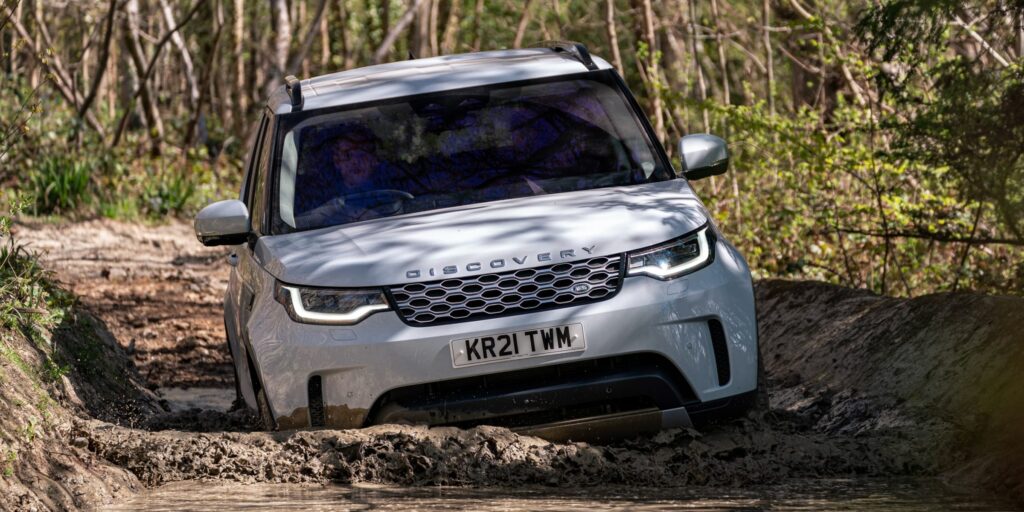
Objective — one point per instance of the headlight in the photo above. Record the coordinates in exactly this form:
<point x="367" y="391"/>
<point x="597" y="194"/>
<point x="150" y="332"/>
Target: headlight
<point x="329" y="306"/>
<point x="676" y="258"/>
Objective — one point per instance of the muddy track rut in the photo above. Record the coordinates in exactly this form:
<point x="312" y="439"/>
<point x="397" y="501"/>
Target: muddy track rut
<point x="860" y="385"/>
<point x="158" y="290"/>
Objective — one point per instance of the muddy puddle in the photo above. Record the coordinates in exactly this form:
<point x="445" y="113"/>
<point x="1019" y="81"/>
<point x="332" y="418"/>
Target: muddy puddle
<point x="901" y="495"/>
<point x="183" y="399"/>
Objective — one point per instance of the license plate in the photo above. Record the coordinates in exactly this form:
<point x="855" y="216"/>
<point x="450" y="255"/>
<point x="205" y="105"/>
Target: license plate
<point x="492" y="348"/>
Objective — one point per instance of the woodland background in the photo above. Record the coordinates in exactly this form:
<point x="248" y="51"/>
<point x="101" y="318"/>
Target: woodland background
<point x="876" y="144"/>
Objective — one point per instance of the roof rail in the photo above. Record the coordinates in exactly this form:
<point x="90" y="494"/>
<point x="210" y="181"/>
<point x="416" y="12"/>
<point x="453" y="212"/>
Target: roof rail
<point x="294" y="88"/>
<point x="577" y="50"/>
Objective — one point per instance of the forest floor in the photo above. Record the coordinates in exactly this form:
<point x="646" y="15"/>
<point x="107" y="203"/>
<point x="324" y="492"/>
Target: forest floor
<point x="861" y="385"/>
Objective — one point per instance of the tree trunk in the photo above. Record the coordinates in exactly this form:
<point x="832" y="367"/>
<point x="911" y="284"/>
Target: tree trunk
<point x="478" y="26"/>
<point x="451" y="28"/>
<point x="196" y="132"/>
<point x="435" y="5"/>
<point x="300" y="20"/>
<point x="396" y="31"/>
<point x="653" y="72"/>
<point x="154" y="123"/>
<point x="702" y="86"/>
<point x="186" y="57"/>
<point x="613" y="35"/>
<point x="1020" y="34"/>
<point x="341" y="21"/>
<point x="241" y="96"/>
<point x="282" y="45"/>
<point x="60" y="81"/>
<point x="299" y="58"/>
<point x="524" y="22"/>
<point x="385" y="21"/>
<point x="723" y="64"/>
<point x="769" y="63"/>
<point x="420" y="46"/>
<point x="325" y="44"/>
<point x="101" y="64"/>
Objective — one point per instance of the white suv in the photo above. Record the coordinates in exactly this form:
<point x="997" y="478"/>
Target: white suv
<point x="490" y="238"/>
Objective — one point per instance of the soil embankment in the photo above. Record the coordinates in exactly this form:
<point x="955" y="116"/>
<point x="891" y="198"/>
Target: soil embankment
<point x="861" y="385"/>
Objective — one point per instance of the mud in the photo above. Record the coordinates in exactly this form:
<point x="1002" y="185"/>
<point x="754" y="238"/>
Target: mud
<point x="744" y="453"/>
<point x="859" y="495"/>
<point x="157" y="289"/>
<point x="861" y="385"/>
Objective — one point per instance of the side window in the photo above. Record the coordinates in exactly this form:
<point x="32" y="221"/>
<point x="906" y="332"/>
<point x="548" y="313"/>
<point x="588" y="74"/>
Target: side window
<point x="258" y="203"/>
<point x="250" y="162"/>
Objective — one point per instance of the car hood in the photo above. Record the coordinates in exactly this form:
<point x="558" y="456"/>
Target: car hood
<point x="484" y="238"/>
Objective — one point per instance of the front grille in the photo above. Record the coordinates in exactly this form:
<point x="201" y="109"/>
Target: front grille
<point x="514" y="291"/>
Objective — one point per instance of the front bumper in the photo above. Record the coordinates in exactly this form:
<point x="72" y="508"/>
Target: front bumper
<point x="358" y="365"/>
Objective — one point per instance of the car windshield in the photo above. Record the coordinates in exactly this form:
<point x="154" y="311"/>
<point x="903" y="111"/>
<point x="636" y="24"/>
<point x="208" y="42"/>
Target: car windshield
<point x="460" y="147"/>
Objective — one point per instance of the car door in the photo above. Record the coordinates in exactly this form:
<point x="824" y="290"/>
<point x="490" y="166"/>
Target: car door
<point x="245" y="268"/>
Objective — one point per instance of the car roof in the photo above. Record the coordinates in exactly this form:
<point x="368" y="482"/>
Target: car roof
<point x="418" y="76"/>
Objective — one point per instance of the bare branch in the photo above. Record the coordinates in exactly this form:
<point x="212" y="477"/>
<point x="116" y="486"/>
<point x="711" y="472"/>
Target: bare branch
<point x="389" y="40"/>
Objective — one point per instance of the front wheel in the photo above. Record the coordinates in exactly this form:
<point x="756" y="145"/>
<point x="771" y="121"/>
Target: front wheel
<point x="761" y="404"/>
<point x="266" y="419"/>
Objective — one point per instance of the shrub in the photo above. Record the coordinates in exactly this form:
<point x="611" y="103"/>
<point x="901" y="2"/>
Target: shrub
<point x="59" y="184"/>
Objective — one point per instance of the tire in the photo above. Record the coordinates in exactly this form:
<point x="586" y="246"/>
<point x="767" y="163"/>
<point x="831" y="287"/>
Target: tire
<point x="266" y="418"/>
<point x="761" y="403"/>
<point x="239" y="402"/>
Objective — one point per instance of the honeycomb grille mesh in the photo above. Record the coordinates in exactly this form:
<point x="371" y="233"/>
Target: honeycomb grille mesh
<point x="515" y="291"/>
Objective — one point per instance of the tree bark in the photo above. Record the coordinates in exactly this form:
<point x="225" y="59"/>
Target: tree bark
<point x="451" y="28"/>
<point x="300" y="19"/>
<point x="385" y="21"/>
<point x="325" y="43"/>
<point x="342" y="22"/>
<point x="101" y="64"/>
<point x="421" y="36"/>
<point x="307" y="41"/>
<point x="478" y="27"/>
<point x="702" y="86"/>
<point x="282" y="45"/>
<point x="1020" y="34"/>
<point x="524" y="22"/>
<point x="435" y="5"/>
<point x="722" y="62"/>
<point x="613" y="36"/>
<point x="653" y="71"/>
<point x="241" y="95"/>
<point x="769" y="62"/>
<point x="154" y="124"/>
<point x="196" y="131"/>
<point x="186" y="57"/>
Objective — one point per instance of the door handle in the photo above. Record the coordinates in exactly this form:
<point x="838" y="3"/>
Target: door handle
<point x="233" y="259"/>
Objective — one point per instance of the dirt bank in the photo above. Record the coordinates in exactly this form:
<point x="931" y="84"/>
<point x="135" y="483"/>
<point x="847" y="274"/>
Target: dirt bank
<point x="158" y="290"/>
<point x="861" y="385"/>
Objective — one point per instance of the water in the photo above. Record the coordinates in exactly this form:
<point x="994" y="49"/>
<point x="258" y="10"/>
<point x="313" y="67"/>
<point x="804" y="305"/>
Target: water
<point x="183" y="399"/>
<point x="826" y="495"/>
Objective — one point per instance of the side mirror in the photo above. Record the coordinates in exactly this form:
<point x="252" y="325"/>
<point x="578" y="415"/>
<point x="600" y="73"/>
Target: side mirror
<point x="223" y="223"/>
<point x="703" y="155"/>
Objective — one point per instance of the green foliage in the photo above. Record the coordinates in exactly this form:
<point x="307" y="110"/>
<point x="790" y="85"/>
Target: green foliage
<point x="52" y="371"/>
<point x="9" y="459"/>
<point x="168" y="193"/>
<point x="59" y="184"/>
<point x="875" y="144"/>
<point x="23" y="281"/>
